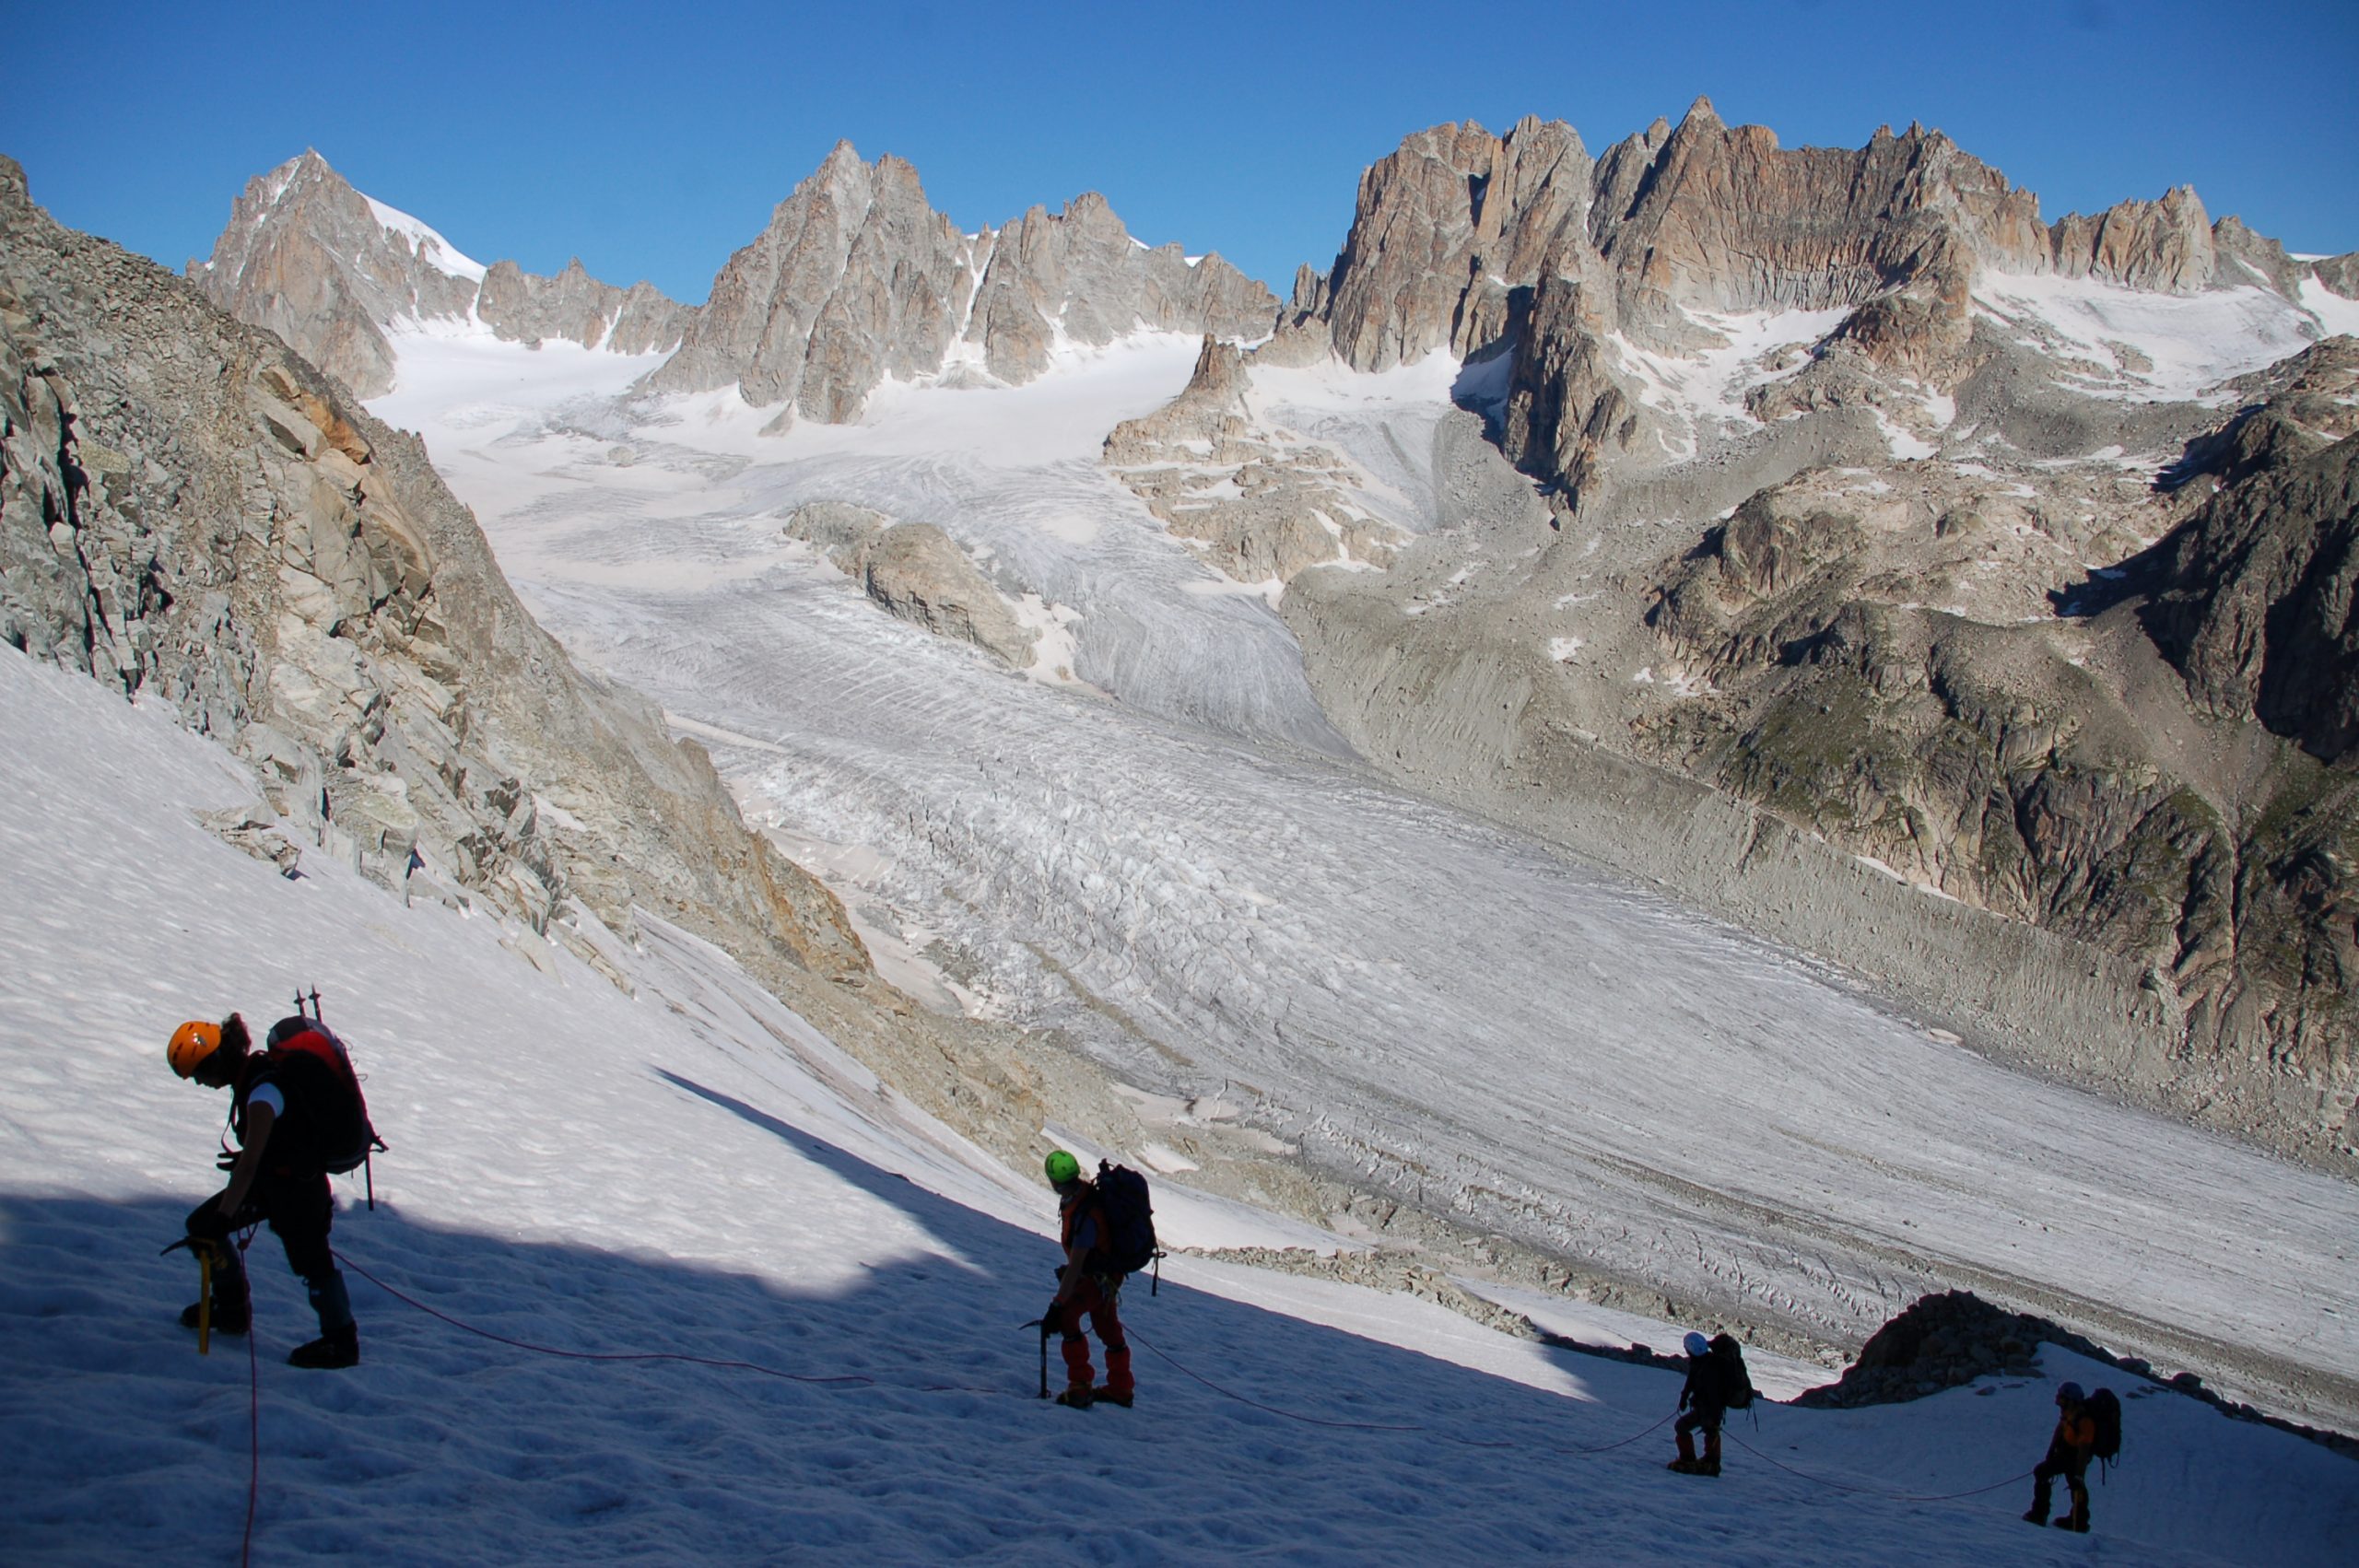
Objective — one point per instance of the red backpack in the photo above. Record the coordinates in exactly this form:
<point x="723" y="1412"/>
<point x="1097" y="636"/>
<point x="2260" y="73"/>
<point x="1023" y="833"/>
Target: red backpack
<point x="302" y="1035"/>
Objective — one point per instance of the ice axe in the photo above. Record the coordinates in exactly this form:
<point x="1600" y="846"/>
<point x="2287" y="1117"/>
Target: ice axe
<point x="1041" y="1324"/>
<point x="202" y="1252"/>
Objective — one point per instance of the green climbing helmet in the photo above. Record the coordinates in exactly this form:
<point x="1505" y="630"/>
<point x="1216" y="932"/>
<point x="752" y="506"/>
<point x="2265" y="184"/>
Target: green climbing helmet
<point x="1062" y="1167"/>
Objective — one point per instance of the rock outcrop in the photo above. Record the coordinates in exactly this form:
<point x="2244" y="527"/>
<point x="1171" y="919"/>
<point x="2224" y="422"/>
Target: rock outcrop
<point x="919" y="573"/>
<point x="576" y="308"/>
<point x="857" y="278"/>
<point x="330" y="270"/>
<point x="1263" y="503"/>
<point x="1954" y="1338"/>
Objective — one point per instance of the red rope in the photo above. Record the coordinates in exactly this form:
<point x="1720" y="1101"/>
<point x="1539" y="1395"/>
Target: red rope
<point x="253" y="1430"/>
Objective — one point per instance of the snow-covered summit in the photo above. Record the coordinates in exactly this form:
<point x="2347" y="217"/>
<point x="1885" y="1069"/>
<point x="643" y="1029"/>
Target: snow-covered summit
<point x="428" y="246"/>
<point x="336" y="272"/>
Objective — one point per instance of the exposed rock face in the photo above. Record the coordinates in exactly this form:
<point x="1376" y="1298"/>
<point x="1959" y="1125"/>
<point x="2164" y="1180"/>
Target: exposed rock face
<point x="855" y="278"/>
<point x="310" y="258"/>
<point x="858" y="278"/>
<point x="329" y="270"/>
<point x="189" y="511"/>
<point x="2253" y="596"/>
<point x="1446" y="228"/>
<point x="1522" y="243"/>
<point x="1819" y="624"/>
<point x="919" y="573"/>
<point x="577" y="308"/>
<point x="1265" y="503"/>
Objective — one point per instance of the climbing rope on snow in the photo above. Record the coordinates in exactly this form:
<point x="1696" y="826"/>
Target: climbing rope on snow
<point x="1871" y="1490"/>
<point x="1385" y="1426"/>
<point x="1134" y="1334"/>
<point x="726" y="1365"/>
<point x="253" y="1446"/>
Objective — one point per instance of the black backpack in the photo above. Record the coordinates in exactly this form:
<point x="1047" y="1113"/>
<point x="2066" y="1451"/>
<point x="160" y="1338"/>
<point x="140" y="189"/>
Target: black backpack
<point x="1130" y="1244"/>
<point x="1734" y="1377"/>
<point x="2105" y="1411"/>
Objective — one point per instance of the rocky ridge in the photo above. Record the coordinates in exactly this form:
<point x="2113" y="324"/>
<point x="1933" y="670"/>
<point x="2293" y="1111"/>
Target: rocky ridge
<point x="329" y="270"/>
<point x="1578" y="267"/>
<point x="857" y="278"/>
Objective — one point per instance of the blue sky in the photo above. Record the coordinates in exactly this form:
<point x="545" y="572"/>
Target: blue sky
<point x="652" y="142"/>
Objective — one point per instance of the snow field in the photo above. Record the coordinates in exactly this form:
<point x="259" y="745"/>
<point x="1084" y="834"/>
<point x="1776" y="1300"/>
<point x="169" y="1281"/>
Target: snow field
<point x="696" y="1173"/>
<point x="2189" y="342"/>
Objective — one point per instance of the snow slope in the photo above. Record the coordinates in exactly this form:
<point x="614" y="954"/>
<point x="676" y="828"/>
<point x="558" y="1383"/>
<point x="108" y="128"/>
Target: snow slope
<point x="2141" y="344"/>
<point x="694" y="1174"/>
<point x="1423" y="1003"/>
<point x="430" y="247"/>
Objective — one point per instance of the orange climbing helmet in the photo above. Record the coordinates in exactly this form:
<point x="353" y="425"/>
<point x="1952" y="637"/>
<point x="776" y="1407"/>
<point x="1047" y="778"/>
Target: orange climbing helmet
<point x="191" y="1044"/>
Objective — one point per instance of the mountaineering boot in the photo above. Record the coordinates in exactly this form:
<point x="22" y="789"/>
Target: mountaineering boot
<point x="339" y="1347"/>
<point x="1080" y="1396"/>
<point x="2078" y="1519"/>
<point x="2036" y="1517"/>
<point x="1108" y="1397"/>
<point x="228" y="1318"/>
<point x="1710" y="1465"/>
<point x="1685" y="1463"/>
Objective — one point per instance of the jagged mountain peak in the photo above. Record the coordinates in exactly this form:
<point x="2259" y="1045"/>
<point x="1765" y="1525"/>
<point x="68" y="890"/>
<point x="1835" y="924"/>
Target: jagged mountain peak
<point x="1701" y="115"/>
<point x="857" y="278"/>
<point x="331" y="270"/>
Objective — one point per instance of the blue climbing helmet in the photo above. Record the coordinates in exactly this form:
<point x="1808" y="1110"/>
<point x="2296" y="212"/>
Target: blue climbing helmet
<point x="1696" y="1344"/>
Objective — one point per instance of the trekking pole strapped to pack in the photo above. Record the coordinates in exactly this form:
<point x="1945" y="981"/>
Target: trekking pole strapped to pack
<point x="307" y="1031"/>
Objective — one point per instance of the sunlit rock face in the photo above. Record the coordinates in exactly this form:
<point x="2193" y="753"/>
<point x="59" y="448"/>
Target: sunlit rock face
<point x="331" y="271"/>
<point x="857" y="278"/>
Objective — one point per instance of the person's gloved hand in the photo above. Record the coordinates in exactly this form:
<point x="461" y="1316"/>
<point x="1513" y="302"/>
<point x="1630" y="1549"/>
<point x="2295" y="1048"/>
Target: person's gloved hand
<point x="1053" y="1320"/>
<point x="209" y="1223"/>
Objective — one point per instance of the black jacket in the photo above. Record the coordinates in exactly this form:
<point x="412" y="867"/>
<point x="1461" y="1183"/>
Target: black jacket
<point x="1708" y="1384"/>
